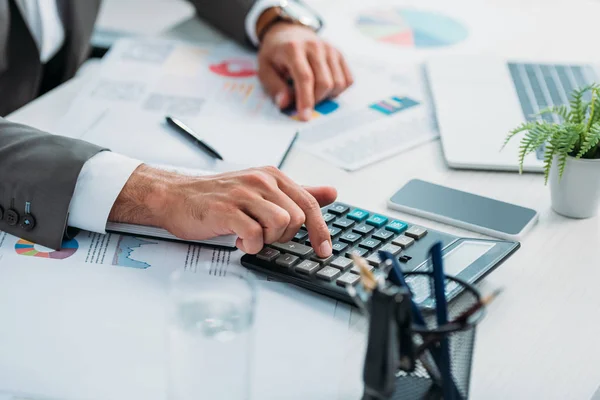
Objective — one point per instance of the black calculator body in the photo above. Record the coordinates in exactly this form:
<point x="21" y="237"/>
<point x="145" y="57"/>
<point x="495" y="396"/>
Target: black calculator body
<point x="358" y="231"/>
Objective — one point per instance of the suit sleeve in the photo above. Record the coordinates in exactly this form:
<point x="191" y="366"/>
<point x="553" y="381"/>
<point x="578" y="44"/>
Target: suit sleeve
<point x="38" y="171"/>
<point x="229" y="16"/>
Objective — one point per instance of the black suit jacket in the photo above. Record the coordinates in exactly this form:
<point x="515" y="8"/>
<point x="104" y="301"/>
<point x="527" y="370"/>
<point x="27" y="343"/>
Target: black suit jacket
<point x="39" y="169"/>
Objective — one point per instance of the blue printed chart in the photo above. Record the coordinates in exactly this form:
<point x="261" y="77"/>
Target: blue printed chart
<point x="411" y="28"/>
<point x="125" y="255"/>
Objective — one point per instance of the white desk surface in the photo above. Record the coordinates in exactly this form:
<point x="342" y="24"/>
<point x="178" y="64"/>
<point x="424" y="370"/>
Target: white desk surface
<point x="540" y="338"/>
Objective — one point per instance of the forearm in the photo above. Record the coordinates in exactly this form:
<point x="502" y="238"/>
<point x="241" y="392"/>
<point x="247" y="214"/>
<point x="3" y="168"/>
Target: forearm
<point x="144" y="197"/>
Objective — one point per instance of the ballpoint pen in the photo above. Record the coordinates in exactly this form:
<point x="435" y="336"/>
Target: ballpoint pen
<point x="441" y="311"/>
<point x="184" y="129"/>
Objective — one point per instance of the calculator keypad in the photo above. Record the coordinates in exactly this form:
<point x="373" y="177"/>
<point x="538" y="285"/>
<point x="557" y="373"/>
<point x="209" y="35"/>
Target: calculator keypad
<point x="353" y="231"/>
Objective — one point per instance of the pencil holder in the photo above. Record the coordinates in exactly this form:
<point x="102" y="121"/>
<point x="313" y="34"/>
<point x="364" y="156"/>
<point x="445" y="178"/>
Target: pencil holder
<point x="419" y="384"/>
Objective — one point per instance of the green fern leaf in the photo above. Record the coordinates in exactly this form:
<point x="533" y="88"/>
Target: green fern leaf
<point x="567" y="138"/>
<point x="548" y="158"/>
<point x="591" y="140"/>
<point x="521" y="128"/>
<point x="562" y="111"/>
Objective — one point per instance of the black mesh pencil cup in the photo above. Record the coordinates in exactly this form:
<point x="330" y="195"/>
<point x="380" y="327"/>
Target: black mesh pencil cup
<point x="425" y="382"/>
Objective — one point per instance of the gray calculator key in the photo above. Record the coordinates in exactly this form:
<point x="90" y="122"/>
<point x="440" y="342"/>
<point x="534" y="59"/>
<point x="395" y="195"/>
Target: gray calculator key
<point x="383" y="234"/>
<point x="347" y="279"/>
<point x="339" y="247"/>
<point x="374" y="260"/>
<point x="333" y="231"/>
<point x="287" y="260"/>
<point x="343" y="223"/>
<point x="416" y="232"/>
<point x="301" y="236"/>
<point x="403" y="241"/>
<point x="356" y="269"/>
<point x="363" y="228"/>
<point x="341" y="263"/>
<point x="322" y="261"/>
<point x="357" y="251"/>
<point x="338" y="208"/>
<point x="296" y="249"/>
<point x="328" y="273"/>
<point x="307" y="267"/>
<point x="350" y="237"/>
<point x="370" y="244"/>
<point x="395" y="250"/>
<point x="268" y="254"/>
<point x="328" y="217"/>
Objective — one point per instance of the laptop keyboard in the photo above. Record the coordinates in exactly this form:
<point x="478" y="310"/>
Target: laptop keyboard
<point x="544" y="85"/>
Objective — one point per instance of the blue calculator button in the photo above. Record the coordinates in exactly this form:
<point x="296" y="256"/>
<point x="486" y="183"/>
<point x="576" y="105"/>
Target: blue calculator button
<point x="358" y="215"/>
<point x="377" y="220"/>
<point x="396" y="226"/>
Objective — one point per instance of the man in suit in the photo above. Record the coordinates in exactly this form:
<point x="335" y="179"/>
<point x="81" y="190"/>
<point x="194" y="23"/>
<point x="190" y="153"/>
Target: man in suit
<point x="49" y="183"/>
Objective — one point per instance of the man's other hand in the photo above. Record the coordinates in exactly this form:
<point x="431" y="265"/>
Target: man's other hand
<point x="318" y="70"/>
<point x="260" y="206"/>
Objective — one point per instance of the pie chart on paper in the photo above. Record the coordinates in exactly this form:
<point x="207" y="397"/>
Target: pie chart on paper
<point x="235" y="68"/>
<point x="411" y="28"/>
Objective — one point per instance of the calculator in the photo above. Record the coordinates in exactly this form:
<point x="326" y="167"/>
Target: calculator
<point x="363" y="233"/>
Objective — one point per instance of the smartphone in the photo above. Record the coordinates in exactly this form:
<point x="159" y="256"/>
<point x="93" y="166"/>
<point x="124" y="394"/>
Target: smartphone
<point x="465" y="210"/>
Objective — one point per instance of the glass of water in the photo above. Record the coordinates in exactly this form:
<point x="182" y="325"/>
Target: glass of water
<point x="210" y="334"/>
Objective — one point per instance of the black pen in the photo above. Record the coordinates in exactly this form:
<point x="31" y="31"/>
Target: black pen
<point x="181" y="127"/>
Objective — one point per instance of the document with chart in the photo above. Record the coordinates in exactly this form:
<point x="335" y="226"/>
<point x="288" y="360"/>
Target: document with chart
<point x="216" y="91"/>
<point x="386" y="112"/>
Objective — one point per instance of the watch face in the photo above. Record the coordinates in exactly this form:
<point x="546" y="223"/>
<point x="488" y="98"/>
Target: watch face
<point x="301" y="14"/>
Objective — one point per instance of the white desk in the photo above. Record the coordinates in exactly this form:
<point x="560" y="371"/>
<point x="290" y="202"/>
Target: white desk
<point x="539" y="339"/>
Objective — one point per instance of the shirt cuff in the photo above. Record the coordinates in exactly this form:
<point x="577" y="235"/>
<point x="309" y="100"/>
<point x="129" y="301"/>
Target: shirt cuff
<point x="254" y="14"/>
<point x="99" y="184"/>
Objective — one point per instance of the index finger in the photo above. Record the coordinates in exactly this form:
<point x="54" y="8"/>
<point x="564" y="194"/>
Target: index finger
<point x="304" y="83"/>
<point x="318" y="232"/>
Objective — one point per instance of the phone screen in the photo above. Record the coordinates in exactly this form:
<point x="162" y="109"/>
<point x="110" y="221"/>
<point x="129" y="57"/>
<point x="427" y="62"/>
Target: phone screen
<point x="463" y="206"/>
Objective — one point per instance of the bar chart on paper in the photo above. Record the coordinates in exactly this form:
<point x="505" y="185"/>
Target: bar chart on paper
<point x="411" y="28"/>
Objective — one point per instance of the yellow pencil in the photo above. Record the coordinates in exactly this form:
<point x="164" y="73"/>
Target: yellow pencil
<point x="367" y="277"/>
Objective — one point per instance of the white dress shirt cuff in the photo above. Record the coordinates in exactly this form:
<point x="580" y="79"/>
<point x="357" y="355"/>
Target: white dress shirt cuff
<point x="99" y="183"/>
<point x="254" y="14"/>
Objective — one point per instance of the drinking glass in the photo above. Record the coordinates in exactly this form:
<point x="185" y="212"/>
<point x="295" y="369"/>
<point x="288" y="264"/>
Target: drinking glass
<point x="210" y="334"/>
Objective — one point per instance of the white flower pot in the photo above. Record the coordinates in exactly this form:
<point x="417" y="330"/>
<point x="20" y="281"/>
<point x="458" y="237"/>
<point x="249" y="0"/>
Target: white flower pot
<point x="577" y="194"/>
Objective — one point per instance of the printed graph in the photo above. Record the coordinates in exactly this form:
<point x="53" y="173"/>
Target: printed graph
<point x="323" y="108"/>
<point x="393" y="104"/>
<point x="248" y="97"/>
<point x="235" y="68"/>
<point x="411" y="28"/>
<point x="26" y="248"/>
<point x="126" y="255"/>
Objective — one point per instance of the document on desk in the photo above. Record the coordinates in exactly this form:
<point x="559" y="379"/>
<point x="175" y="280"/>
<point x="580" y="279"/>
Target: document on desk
<point x="387" y="111"/>
<point x="211" y="90"/>
<point x="72" y="330"/>
<point x="158" y="257"/>
<point x="216" y="91"/>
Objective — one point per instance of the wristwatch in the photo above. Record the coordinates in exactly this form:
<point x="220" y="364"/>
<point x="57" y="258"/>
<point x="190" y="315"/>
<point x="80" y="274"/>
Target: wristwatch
<point x="288" y="11"/>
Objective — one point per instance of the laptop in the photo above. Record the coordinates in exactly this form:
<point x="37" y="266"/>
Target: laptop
<point x="479" y="100"/>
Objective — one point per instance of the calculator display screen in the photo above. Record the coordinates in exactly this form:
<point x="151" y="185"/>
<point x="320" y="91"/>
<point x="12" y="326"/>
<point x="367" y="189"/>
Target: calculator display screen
<point x="464" y="255"/>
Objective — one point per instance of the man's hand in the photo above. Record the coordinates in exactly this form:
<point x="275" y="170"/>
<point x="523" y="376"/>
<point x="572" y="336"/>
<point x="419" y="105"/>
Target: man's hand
<point x="261" y="206"/>
<point x="318" y="70"/>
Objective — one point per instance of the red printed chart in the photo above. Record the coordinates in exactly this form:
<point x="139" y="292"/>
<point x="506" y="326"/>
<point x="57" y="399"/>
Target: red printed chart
<point x="235" y="68"/>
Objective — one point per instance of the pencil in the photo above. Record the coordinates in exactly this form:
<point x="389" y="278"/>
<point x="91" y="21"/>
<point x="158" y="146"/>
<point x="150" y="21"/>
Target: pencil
<point x="367" y="277"/>
<point x="464" y="316"/>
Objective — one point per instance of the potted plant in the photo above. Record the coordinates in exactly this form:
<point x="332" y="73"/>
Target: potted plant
<point x="572" y="153"/>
